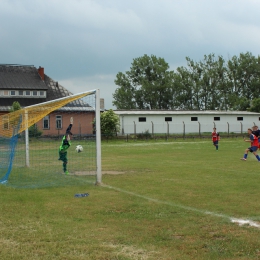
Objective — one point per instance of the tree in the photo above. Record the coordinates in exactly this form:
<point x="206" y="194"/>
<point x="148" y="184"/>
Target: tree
<point x="147" y="85"/>
<point x="184" y="92"/>
<point x="15" y="106"/>
<point x="255" y="107"/>
<point x="109" y="122"/>
<point x="14" y="121"/>
<point x="210" y="84"/>
<point x="243" y="80"/>
<point x="34" y="131"/>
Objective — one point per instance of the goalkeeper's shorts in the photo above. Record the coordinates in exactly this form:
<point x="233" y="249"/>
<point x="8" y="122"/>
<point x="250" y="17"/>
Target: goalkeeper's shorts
<point x="63" y="156"/>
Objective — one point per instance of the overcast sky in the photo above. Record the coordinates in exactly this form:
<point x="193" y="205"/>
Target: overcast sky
<point x="83" y="44"/>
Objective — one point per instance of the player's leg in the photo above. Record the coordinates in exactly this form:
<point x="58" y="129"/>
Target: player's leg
<point x="216" y="144"/>
<point x="65" y="162"/>
<point x="245" y="154"/>
<point x="255" y="148"/>
<point x="63" y="158"/>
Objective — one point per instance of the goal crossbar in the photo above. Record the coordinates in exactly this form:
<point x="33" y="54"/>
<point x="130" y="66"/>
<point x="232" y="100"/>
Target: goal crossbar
<point x="34" y="113"/>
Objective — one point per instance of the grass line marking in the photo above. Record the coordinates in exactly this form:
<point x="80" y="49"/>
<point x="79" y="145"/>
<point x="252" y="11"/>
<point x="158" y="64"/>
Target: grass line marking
<point x="240" y="222"/>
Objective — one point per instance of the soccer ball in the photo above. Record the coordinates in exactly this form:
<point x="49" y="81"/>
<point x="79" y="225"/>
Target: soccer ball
<point x="79" y="148"/>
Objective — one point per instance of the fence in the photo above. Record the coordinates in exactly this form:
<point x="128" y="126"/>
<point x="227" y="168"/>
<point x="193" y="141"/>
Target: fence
<point x="198" y="128"/>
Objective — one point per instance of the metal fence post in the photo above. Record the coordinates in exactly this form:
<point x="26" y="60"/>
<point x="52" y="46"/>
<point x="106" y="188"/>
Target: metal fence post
<point x="183" y="129"/>
<point x="228" y="129"/>
<point x="199" y="129"/>
<point x="152" y="129"/>
<point x="123" y="130"/>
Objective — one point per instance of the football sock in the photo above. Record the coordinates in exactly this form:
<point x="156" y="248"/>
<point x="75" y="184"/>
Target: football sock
<point x="245" y="155"/>
<point x="257" y="157"/>
<point x="64" y="167"/>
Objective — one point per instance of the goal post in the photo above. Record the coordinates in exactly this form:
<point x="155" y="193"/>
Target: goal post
<point x="39" y="154"/>
<point x="98" y="138"/>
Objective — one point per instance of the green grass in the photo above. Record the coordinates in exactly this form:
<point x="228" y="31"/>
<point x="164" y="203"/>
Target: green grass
<point x="174" y="200"/>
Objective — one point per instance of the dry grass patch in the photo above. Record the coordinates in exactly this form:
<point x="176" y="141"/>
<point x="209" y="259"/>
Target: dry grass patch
<point x="132" y="252"/>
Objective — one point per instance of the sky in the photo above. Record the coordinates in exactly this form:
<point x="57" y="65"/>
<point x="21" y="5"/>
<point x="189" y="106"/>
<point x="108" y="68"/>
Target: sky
<point x="83" y="44"/>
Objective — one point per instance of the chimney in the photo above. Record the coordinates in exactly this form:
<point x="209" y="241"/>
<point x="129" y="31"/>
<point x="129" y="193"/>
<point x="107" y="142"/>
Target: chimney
<point x="41" y="72"/>
<point x="102" y="103"/>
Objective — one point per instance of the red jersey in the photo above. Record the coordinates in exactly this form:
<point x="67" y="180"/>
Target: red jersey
<point x="215" y="136"/>
<point x="254" y="140"/>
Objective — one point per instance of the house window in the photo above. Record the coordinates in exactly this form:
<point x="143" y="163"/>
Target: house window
<point x="194" y="118"/>
<point x="46" y="122"/>
<point x="20" y="93"/>
<point x="42" y="93"/>
<point x="168" y="119"/>
<point x="6" y="93"/>
<point x="142" y="119"/>
<point x="239" y="118"/>
<point x="58" y="122"/>
<point x="12" y="92"/>
<point x="216" y="118"/>
<point x="34" y="93"/>
<point x="5" y="122"/>
<point x="28" y="93"/>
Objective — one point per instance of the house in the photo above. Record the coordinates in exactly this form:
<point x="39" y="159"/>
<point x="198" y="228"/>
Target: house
<point x="181" y="122"/>
<point x="29" y="85"/>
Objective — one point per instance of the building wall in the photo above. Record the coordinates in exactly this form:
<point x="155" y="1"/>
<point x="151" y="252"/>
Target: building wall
<point x="82" y="123"/>
<point x="129" y="124"/>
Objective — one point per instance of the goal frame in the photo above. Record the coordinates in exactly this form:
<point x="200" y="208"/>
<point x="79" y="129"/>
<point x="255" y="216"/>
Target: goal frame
<point x="98" y="132"/>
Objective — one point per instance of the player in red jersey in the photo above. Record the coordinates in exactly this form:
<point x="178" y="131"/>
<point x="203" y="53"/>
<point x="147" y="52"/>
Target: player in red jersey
<point x="256" y="132"/>
<point x="215" y="138"/>
<point x="254" y="145"/>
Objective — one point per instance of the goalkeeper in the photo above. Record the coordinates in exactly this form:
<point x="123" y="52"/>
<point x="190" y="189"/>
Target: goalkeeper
<point x="65" y="144"/>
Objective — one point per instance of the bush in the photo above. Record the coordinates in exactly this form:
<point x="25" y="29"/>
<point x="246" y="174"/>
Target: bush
<point x="145" y="135"/>
<point x="34" y="131"/>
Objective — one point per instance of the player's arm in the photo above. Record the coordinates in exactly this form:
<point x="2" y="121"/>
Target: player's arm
<point x="250" y="140"/>
<point x="68" y="130"/>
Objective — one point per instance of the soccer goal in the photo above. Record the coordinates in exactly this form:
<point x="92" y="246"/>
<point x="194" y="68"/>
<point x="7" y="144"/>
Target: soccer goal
<point x="30" y="141"/>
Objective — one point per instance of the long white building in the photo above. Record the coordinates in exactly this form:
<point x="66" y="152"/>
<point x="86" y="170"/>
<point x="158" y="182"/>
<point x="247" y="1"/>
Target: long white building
<point x="179" y="122"/>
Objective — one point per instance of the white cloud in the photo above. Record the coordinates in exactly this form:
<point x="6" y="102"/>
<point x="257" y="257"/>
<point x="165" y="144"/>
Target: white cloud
<point x="80" y="39"/>
<point x="103" y="82"/>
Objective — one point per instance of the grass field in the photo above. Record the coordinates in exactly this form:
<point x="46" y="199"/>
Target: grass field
<point x="163" y="200"/>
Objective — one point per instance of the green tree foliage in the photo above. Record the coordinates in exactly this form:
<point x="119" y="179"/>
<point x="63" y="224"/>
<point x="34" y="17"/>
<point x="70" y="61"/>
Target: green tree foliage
<point x="210" y="84"/>
<point x="147" y="85"/>
<point x="34" y="131"/>
<point x="255" y="107"/>
<point x="15" y="106"/>
<point x="109" y="122"/>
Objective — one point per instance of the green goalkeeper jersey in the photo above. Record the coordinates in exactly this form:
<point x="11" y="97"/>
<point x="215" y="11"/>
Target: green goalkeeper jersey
<point x="65" y="144"/>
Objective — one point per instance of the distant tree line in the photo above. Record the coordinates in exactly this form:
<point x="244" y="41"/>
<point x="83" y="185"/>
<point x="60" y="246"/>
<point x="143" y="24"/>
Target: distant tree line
<point x="210" y="84"/>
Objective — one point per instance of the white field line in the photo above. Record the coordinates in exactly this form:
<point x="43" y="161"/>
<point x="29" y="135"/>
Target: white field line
<point x="241" y="222"/>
